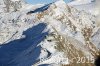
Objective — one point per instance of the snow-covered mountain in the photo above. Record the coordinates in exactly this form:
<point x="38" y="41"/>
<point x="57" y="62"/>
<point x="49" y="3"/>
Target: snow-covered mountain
<point x="50" y="34"/>
<point x="86" y="5"/>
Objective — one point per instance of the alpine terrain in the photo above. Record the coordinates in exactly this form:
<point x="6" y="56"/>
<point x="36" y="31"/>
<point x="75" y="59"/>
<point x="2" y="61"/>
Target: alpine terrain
<point x="54" y="34"/>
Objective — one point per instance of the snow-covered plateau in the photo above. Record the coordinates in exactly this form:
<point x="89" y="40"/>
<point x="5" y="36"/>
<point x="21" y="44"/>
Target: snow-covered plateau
<point x="54" y="34"/>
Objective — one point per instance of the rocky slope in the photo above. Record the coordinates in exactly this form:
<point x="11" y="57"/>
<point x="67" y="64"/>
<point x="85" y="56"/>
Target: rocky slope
<point x="40" y="34"/>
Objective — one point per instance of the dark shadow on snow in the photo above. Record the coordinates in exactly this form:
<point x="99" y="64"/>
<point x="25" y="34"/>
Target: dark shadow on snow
<point x="23" y="52"/>
<point x="44" y="65"/>
<point x="41" y="9"/>
<point x="97" y="61"/>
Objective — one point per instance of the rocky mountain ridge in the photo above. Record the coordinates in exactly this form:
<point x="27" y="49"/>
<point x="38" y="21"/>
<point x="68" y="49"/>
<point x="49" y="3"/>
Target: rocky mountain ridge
<point x="62" y="21"/>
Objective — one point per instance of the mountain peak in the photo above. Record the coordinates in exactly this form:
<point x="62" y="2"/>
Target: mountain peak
<point x="36" y="33"/>
<point x="60" y="2"/>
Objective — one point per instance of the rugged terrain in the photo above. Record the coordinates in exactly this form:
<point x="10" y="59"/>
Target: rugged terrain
<point x="50" y="34"/>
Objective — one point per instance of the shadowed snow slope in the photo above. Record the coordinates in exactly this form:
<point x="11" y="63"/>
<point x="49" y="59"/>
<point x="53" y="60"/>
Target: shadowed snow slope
<point x="41" y="9"/>
<point x="23" y="50"/>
